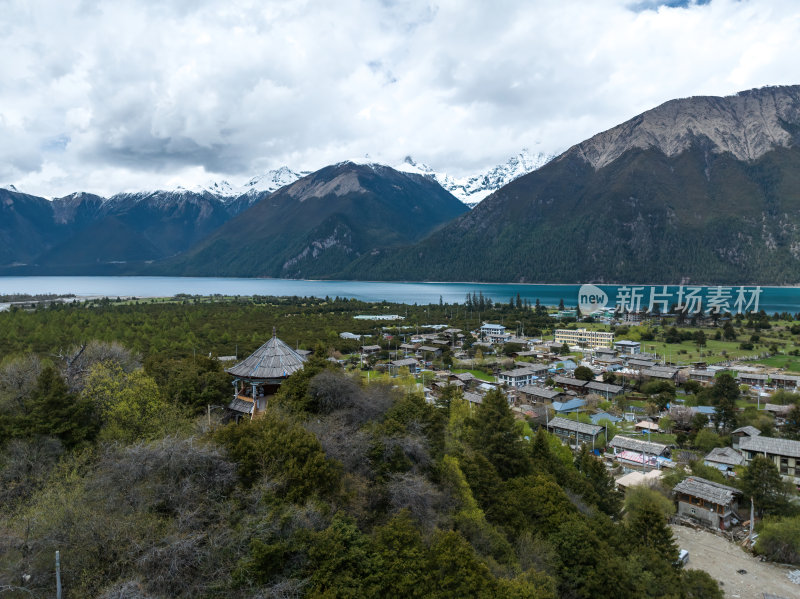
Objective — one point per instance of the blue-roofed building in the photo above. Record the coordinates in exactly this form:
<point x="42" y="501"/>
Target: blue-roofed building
<point x="564" y="364"/>
<point x="568" y="407"/>
<point x="596" y="418"/>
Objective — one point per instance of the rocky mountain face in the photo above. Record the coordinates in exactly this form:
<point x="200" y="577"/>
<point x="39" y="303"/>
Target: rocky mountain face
<point x="472" y="189"/>
<point x="319" y="224"/>
<point x="703" y="190"/>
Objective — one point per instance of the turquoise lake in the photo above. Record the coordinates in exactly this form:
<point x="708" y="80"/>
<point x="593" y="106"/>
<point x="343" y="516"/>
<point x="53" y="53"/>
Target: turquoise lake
<point x="771" y="299"/>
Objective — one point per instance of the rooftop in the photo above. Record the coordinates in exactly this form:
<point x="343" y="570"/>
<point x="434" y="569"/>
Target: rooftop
<point x="760" y="444"/>
<point x="575" y="426"/>
<point x="649" y="447"/>
<point x="272" y="360"/>
<point x="725" y="455"/>
<point x="707" y="490"/>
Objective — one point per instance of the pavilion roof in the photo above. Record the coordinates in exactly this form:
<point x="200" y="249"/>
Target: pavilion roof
<point x="272" y="360"/>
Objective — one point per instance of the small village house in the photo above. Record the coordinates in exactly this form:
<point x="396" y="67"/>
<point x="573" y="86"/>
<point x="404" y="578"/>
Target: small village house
<point x="713" y="504"/>
<point x="784" y="453"/>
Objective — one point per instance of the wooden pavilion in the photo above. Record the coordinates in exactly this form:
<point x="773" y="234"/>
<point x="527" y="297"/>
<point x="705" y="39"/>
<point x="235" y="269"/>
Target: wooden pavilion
<point x="259" y="376"/>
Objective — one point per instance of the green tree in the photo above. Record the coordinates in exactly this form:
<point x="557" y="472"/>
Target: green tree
<point x="401" y="559"/>
<point x="706" y="440"/>
<point x="609" y="498"/>
<point x="129" y="404"/>
<point x="53" y="411"/>
<point x="284" y="451"/>
<point x="495" y="435"/>
<point x="762" y="481"/>
<point x="779" y="540"/>
<point x="724" y="393"/>
<point x="583" y="373"/>
<point x="698" y="584"/>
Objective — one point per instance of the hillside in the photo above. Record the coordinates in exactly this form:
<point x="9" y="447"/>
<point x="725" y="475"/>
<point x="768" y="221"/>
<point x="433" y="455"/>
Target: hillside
<point x="316" y="226"/>
<point x="696" y="190"/>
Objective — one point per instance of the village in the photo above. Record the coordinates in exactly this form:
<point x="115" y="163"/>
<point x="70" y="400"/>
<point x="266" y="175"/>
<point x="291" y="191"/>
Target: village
<point x="600" y="400"/>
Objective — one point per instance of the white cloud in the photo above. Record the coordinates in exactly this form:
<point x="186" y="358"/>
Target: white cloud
<point x="103" y="96"/>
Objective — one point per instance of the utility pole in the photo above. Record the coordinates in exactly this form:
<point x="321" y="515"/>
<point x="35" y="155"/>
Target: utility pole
<point x="58" y="575"/>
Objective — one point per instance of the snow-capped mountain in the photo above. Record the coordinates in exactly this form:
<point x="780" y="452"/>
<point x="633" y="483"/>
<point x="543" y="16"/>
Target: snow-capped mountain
<point x="473" y="189"/>
<point x="272" y="180"/>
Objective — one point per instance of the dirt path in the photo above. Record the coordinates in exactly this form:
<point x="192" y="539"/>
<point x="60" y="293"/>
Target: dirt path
<point x="722" y="559"/>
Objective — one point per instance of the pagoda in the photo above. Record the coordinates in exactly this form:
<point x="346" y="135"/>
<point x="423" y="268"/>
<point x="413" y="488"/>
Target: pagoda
<point x="259" y="376"/>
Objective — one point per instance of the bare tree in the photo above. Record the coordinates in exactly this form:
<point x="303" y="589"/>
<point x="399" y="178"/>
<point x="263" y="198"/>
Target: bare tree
<point x="17" y="379"/>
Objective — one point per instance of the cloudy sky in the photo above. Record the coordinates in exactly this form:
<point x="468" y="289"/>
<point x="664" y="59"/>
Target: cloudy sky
<point x="124" y="95"/>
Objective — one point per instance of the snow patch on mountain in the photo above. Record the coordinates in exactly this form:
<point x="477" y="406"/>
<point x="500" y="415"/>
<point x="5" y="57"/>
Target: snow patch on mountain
<point x="473" y="189"/>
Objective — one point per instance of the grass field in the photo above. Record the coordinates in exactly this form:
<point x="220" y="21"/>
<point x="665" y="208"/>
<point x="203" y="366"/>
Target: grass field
<point x="790" y="363"/>
<point x="478" y="374"/>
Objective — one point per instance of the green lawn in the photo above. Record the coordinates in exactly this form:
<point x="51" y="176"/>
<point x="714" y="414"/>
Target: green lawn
<point x="478" y="374"/>
<point x="790" y="363"/>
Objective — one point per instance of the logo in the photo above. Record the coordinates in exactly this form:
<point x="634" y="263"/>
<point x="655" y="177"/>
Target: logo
<point x="591" y="299"/>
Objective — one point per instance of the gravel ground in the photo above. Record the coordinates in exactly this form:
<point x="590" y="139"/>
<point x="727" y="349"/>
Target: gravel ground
<point x="722" y="559"/>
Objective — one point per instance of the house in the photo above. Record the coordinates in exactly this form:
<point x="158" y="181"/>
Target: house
<point x="630" y="348"/>
<point x="535" y="395"/>
<point x="474" y="399"/>
<point x="635" y="453"/>
<point x="583" y="337"/>
<point x="724" y="458"/>
<point x="752" y="379"/>
<point x="711" y="503"/>
<point x="785" y="453"/>
<point x="741" y="433"/>
<point x="410" y="363"/>
<point x="567" y="407"/>
<point x="465" y="378"/>
<point x="494" y="333"/>
<point x="785" y="381"/>
<point x="428" y="350"/>
<point x="575" y="433"/>
<point x="570" y="384"/>
<point x="779" y="411"/>
<point x="635" y="478"/>
<point x="370" y="349"/>
<point x="640" y="364"/>
<point x="605" y="389"/>
<point x="662" y="373"/>
<point x="600" y="416"/>
<point x="706" y="377"/>
<point x="646" y="426"/>
<point x="350" y="336"/>
<point x="520" y="376"/>
<point x="605" y="354"/>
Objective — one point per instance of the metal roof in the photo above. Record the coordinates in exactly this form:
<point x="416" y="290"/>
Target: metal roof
<point x="725" y="455"/>
<point x="239" y="405"/>
<point x="747" y="430"/>
<point x="637" y="445"/>
<point x="272" y="360"/>
<point x="575" y="426"/>
<point x="605" y="387"/>
<point x="538" y="391"/>
<point x="761" y="444"/>
<point x="707" y="490"/>
<point x="568" y="381"/>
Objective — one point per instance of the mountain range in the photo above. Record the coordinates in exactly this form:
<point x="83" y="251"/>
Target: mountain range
<point x="701" y="190"/>
<point x="697" y="190"/>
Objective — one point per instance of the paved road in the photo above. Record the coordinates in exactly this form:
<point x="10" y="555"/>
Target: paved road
<point x="722" y="559"/>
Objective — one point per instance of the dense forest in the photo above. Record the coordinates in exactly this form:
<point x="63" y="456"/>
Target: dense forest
<point x="342" y="489"/>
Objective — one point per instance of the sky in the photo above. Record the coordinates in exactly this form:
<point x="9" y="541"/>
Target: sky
<point x="117" y="96"/>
